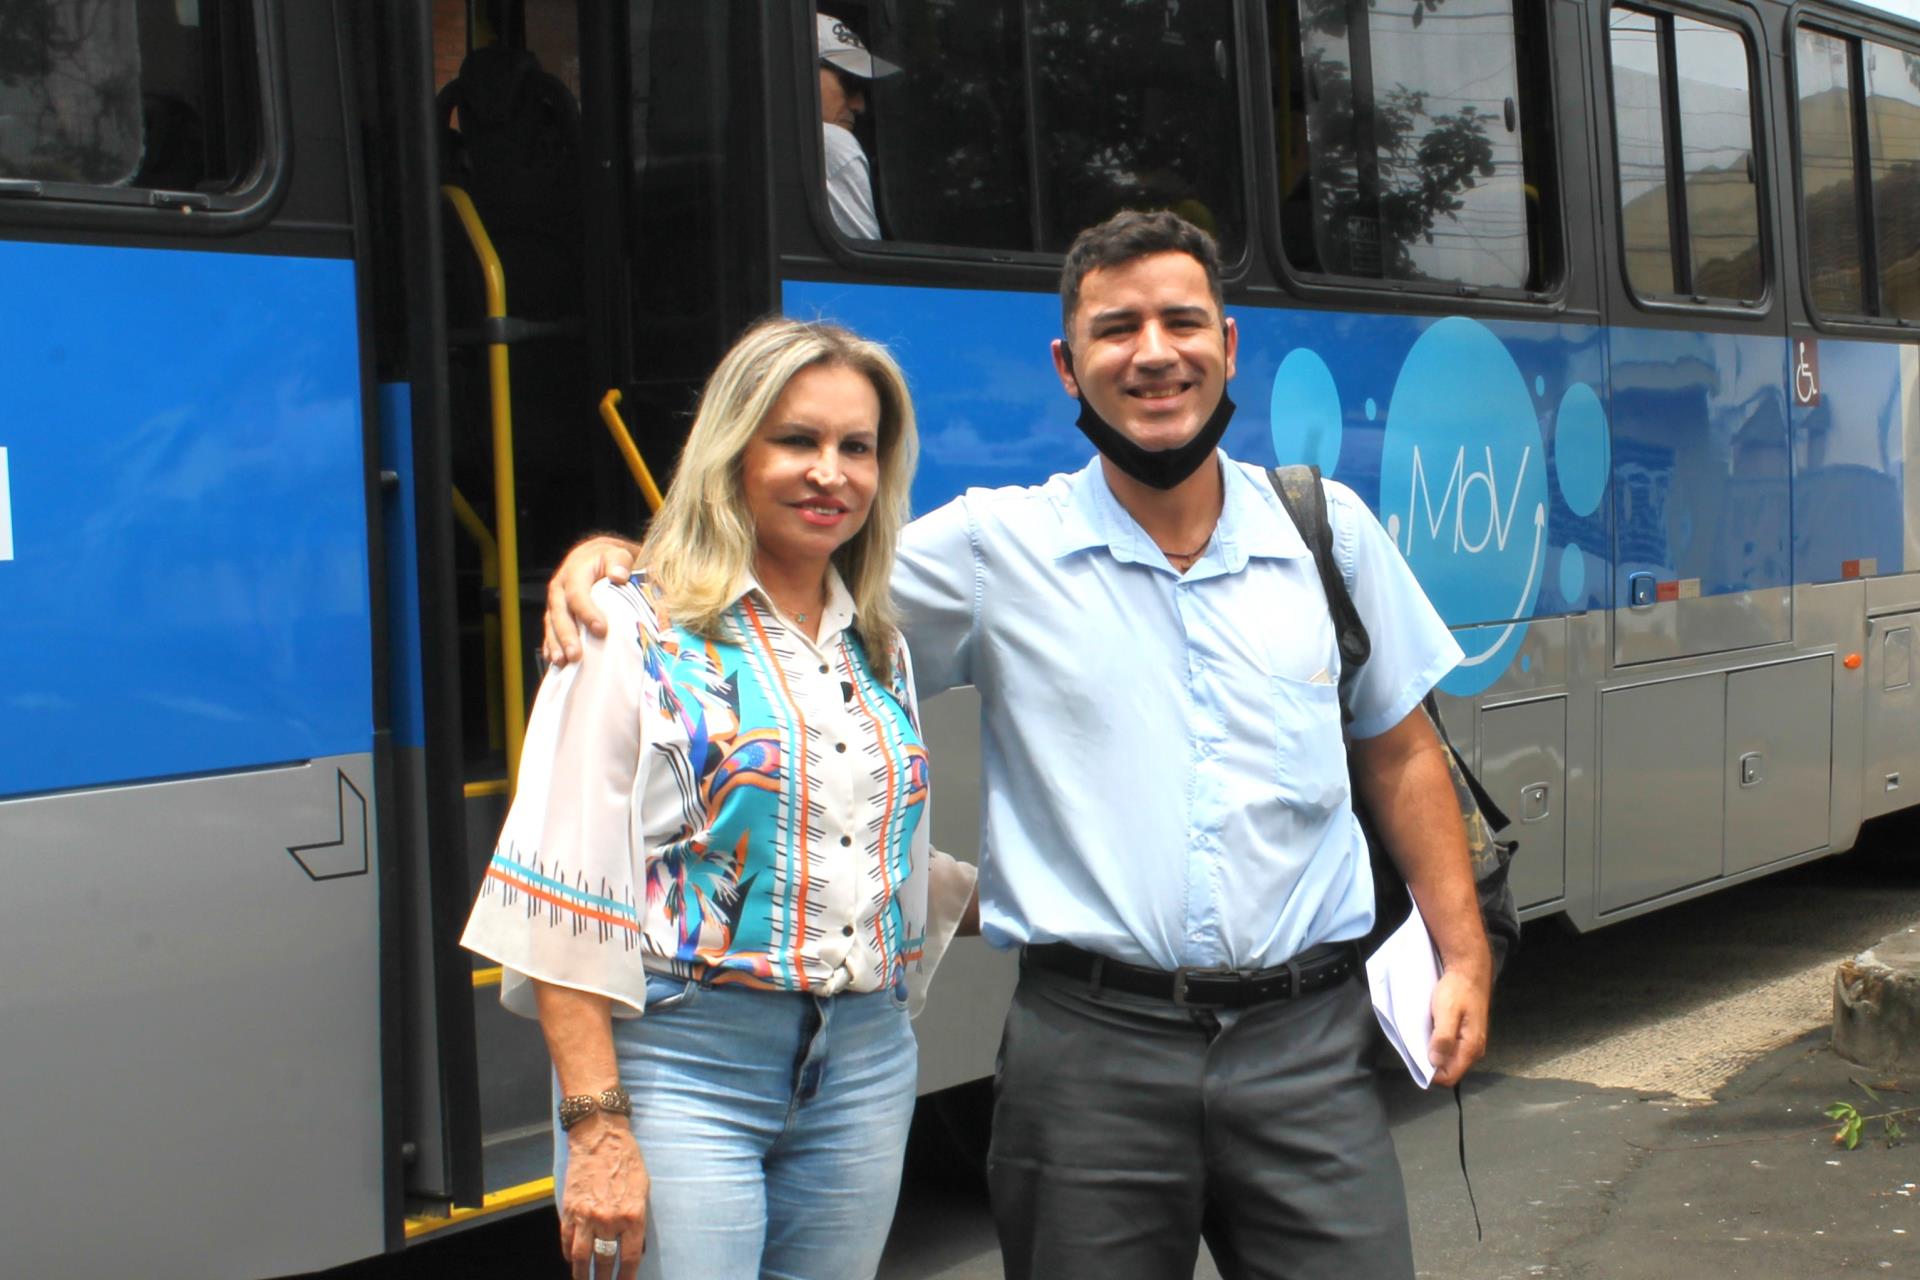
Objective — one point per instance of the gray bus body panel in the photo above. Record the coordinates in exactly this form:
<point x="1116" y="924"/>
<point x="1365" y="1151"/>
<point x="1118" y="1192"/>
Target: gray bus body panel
<point x="959" y="1030"/>
<point x="191" y="1081"/>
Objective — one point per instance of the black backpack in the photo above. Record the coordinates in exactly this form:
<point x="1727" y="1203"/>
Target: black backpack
<point x="1306" y="502"/>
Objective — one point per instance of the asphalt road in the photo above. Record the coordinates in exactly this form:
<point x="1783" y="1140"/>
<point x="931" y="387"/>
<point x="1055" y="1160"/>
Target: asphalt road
<point x="1651" y="1108"/>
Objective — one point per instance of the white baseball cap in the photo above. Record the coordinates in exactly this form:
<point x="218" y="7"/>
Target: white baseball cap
<point x="841" y="47"/>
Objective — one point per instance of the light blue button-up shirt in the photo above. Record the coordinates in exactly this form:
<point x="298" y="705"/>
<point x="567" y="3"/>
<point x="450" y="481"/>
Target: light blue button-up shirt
<point x="1164" y="772"/>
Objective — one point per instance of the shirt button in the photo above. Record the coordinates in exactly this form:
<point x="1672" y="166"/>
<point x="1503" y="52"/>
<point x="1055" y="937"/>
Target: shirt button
<point x="840" y="747"/>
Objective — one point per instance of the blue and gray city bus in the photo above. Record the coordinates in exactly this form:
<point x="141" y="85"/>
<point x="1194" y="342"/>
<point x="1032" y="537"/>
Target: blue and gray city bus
<point x="326" y="325"/>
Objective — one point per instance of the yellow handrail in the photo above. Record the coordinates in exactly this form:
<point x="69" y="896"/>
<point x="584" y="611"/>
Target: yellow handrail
<point x="503" y="497"/>
<point x="623" y="440"/>
<point x="467" y="518"/>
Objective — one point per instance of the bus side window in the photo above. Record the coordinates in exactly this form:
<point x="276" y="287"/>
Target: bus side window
<point x="1863" y="258"/>
<point x="156" y="94"/>
<point x="1290" y="134"/>
<point x="1012" y="126"/>
<point x="1406" y="146"/>
<point x="1830" y="217"/>
<point x="1893" y="149"/>
<point x="1690" y="215"/>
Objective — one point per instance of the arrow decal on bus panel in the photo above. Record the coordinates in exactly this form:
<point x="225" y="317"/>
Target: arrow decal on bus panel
<point x="6" y="510"/>
<point x="345" y="854"/>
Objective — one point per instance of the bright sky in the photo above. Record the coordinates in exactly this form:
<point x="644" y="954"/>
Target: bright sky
<point x="1904" y="8"/>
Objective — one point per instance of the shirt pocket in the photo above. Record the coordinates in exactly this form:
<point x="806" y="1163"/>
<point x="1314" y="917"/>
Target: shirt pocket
<point x="1310" y="746"/>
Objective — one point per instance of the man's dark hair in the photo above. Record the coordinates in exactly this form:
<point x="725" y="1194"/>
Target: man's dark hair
<point x="1128" y="235"/>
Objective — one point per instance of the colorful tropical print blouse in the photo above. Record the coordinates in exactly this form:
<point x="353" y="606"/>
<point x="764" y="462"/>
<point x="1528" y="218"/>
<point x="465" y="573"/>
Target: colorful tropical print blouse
<point x="746" y="809"/>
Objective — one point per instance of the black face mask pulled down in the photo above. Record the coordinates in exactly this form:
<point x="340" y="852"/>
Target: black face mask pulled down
<point x="1158" y="468"/>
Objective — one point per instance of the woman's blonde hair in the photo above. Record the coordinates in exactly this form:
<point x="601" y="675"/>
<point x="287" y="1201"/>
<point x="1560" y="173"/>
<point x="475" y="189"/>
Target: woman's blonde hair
<point x="701" y="542"/>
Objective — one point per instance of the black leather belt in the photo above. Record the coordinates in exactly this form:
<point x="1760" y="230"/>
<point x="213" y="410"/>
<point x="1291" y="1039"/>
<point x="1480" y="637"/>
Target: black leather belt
<point x="1310" y="971"/>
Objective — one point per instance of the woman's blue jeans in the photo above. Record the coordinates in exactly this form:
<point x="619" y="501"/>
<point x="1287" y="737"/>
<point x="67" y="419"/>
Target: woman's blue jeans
<point x="772" y="1125"/>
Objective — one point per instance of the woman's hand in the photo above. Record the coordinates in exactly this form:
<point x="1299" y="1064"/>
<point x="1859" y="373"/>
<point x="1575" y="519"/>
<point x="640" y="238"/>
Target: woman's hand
<point x="605" y="1197"/>
<point x="570" y="594"/>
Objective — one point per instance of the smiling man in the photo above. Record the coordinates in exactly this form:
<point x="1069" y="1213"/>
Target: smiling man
<point x="1169" y="834"/>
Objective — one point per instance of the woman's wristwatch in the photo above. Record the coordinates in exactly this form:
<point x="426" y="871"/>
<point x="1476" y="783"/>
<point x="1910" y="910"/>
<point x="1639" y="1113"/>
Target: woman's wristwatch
<point x="578" y="1106"/>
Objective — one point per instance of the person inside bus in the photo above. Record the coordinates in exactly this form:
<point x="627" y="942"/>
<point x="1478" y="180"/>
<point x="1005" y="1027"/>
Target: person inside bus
<point x="846" y="69"/>
<point x="1169" y="834"/>
<point x="715" y="887"/>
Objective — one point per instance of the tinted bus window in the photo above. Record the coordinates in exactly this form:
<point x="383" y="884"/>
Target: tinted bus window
<point x="1640" y="139"/>
<point x="1716" y="138"/>
<point x="1824" y="74"/>
<point x="1893" y="146"/>
<point x="1137" y="108"/>
<point x="1411" y="124"/>
<point x="148" y="94"/>
<point x="1013" y="126"/>
<point x="952" y="128"/>
<point x="1683" y="138"/>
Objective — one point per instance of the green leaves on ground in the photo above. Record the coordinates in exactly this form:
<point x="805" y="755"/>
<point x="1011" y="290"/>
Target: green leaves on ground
<point x="1852" y="1123"/>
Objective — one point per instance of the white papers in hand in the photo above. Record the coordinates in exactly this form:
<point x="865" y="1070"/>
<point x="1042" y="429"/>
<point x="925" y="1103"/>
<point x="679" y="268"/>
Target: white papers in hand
<point x="1402" y="975"/>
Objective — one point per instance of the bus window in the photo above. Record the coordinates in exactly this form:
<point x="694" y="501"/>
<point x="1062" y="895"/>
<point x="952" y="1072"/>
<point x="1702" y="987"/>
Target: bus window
<point x="1684" y="137"/>
<point x="1716" y="129"/>
<point x="1893" y="146"/>
<point x="157" y="94"/>
<point x="1136" y="107"/>
<point x="951" y="128"/>
<point x="1413" y="126"/>
<point x="1823" y="71"/>
<point x="1012" y="126"/>
<point x="1639" y="131"/>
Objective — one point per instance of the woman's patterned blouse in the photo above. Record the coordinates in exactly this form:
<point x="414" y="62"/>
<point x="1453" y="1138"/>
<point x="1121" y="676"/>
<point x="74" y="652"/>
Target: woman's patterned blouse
<point x="747" y="809"/>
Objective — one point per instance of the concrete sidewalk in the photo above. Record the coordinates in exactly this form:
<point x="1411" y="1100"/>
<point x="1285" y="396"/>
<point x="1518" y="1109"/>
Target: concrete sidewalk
<point x="1581" y="1183"/>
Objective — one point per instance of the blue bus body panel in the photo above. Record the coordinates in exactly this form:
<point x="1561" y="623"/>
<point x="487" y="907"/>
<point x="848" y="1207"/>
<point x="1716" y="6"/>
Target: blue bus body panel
<point x="189" y="587"/>
<point x="1700" y="460"/>
<point x="400" y="526"/>
<point x="1483" y="447"/>
<point x="1854" y="482"/>
<point x="1526" y="470"/>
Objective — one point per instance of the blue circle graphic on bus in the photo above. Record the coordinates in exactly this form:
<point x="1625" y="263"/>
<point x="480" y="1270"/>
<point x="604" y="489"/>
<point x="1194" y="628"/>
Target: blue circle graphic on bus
<point x="1306" y="420"/>
<point x="1573" y="575"/>
<point x="1463" y="490"/>
<point x="1581" y="455"/>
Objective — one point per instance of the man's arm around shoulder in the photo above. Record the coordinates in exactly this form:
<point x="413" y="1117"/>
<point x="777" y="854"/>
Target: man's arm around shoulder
<point x="602" y="557"/>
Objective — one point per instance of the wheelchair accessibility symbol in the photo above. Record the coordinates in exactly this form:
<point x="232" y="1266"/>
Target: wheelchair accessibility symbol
<point x="1806" y="372"/>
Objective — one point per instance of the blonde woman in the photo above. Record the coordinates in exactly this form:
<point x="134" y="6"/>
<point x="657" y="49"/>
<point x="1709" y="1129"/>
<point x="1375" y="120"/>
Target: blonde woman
<point x="721" y="823"/>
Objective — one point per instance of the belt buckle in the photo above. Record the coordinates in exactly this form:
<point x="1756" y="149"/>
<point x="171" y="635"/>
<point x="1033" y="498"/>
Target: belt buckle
<point x="1185" y="971"/>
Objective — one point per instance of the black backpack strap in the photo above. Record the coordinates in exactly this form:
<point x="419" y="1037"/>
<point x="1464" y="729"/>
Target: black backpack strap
<point x="1306" y="502"/>
<point x="1497" y="819"/>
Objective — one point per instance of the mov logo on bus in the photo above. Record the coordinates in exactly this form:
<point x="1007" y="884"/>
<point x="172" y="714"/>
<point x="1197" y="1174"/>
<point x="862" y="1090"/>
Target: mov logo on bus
<point x="1463" y="481"/>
